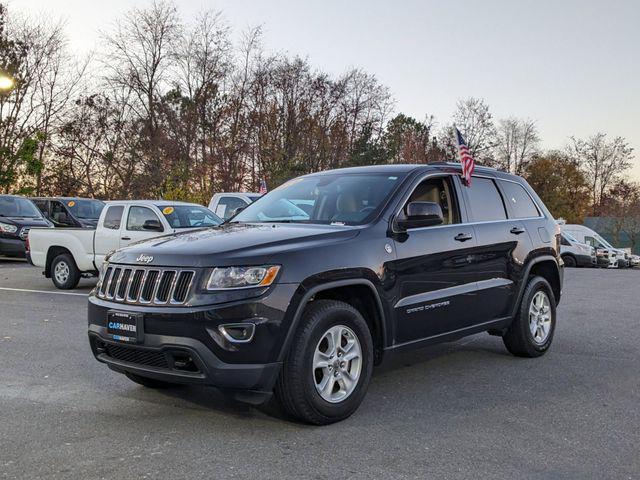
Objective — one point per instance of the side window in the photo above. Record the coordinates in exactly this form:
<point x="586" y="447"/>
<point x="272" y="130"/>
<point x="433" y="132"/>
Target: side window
<point x="113" y="217"/>
<point x="137" y="217"/>
<point x="59" y="214"/>
<point x="42" y="206"/>
<point x="228" y="205"/>
<point x="485" y="201"/>
<point x="521" y="203"/>
<point x="440" y="191"/>
<point x="591" y="241"/>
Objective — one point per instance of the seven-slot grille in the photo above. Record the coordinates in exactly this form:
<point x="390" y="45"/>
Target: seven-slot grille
<point x="156" y="286"/>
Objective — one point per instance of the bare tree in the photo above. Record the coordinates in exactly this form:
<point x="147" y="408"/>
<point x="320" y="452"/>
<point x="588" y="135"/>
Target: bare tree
<point x="603" y="162"/>
<point x="516" y="142"/>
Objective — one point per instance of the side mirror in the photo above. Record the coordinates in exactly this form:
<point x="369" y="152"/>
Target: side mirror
<point x="153" y="225"/>
<point x="420" y="214"/>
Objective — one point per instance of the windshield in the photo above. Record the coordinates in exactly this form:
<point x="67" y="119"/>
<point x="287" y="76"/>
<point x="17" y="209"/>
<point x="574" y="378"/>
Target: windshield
<point x="603" y="241"/>
<point x="351" y="199"/>
<point x="189" y="216"/>
<point x="570" y="237"/>
<point x="18" y="207"/>
<point x="85" y="209"/>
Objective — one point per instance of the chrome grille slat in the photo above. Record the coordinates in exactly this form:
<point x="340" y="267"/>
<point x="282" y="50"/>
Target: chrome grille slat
<point x="115" y="276"/>
<point x="123" y="284"/>
<point x="145" y="285"/>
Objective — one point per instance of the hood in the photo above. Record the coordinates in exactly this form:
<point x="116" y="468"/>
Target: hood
<point x="25" y="222"/>
<point x="232" y="244"/>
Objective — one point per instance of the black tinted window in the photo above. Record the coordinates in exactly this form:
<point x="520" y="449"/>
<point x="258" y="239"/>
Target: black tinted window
<point x="517" y="197"/>
<point x="485" y="202"/>
<point x="113" y="217"/>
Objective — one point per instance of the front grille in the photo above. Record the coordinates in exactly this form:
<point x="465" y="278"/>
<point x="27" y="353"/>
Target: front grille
<point x="136" y="355"/>
<point x="145" y="285"/>
<point x="24" y="233"/>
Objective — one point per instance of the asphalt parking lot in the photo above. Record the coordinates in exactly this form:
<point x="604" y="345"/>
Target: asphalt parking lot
<point x="460" y="410"/>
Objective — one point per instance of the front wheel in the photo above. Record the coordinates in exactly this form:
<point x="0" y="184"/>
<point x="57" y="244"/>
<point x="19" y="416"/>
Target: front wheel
<point x="569" y="261"/>
<point x="327" y="370"/>
<point x="531" y="332"/>
<point x="64" y="272"/>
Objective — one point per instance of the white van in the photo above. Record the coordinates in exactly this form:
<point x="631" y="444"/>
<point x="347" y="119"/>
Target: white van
<point x="617" y="258"/>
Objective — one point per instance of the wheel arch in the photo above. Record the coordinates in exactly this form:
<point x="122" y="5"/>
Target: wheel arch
<point x="361" y="294"/>
<point x="545" y="266"/>
<point x="52" y="253"/>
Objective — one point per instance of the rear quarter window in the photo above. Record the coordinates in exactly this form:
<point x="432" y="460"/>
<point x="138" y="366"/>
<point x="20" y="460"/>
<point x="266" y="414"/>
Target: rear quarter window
<point x="113" y="217"/>
<point x="519" y="201"/>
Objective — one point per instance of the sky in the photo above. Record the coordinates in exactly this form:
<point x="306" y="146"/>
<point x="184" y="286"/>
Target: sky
<point x="572" y="66"/>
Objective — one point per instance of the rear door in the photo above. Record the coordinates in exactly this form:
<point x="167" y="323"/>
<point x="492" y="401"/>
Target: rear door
<point x="434" y="278"/>
<point x="502" y="247"/>
<point x="107" y="234"/>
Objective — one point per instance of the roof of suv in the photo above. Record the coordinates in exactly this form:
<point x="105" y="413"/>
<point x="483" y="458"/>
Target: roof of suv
<point x="406" y="168"/>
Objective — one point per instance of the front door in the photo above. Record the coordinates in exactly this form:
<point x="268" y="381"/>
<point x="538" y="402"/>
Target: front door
<point x="435" y="282"/>
<point x="134" y="229"/>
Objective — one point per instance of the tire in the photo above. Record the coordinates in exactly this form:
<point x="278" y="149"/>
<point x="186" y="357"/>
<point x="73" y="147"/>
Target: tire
<point x="569" y="261"/>
<point x="519" y="338"/>
<point x="149" y="382"/>
<point x="297" y="388"/>
<point x="64" y="272"/>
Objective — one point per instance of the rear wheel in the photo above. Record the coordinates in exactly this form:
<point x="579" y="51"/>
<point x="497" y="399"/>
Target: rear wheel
<point x="327" y="370"/>
<point x="531" y="332"/>
<point x="64" y="272"/>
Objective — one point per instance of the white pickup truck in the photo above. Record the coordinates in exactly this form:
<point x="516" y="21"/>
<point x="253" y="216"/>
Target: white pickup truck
<point x="67" y="254"/>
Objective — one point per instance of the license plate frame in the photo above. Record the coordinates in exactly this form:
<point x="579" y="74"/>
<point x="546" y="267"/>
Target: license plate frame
<point x="125" y="327"/>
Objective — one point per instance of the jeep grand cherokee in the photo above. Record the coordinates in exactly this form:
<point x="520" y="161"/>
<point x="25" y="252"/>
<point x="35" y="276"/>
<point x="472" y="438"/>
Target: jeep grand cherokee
<point x="308" y="288"/>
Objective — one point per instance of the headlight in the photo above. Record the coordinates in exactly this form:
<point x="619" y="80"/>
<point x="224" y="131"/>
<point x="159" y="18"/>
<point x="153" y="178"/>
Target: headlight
<point x="6" y="228"/>
<point x="242" y="277"/>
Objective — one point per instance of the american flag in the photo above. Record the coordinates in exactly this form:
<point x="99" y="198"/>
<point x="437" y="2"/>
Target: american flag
<point x="263" y="187"/>
<point x="468" y="164"/>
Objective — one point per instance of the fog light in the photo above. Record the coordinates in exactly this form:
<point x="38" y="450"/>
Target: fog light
<point x="237" y="332"/>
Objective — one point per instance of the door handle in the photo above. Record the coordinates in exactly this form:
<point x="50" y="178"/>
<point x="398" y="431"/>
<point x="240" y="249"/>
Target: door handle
<point x="517" y="230"/>
<point x="125" y="238"/>
<point x="462" y="237"/>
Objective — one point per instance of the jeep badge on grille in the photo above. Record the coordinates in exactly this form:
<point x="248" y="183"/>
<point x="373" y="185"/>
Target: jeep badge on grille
<point x="144" y="258"/>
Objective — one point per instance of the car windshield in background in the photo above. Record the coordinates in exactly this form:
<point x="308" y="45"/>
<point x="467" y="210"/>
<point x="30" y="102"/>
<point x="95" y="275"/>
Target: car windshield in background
<point x="570" y="237"/>
<point x="188" y="216"/>
<point x="85" y="209"/>
<point x="351" y="199"/>
<point x="18" y="207"/>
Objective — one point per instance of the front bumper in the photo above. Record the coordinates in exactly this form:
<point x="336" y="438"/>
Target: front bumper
<point x="12" y="247"/>
<point x="583" y="260"/>
<point x="183" y="344"/>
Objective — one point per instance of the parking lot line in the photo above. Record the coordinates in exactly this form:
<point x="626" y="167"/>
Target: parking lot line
<point x="42" y="291"/>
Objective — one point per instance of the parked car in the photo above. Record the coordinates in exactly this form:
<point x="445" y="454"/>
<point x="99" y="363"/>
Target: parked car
<point x="390" y="258"/>
<point x="69" y="253"/>
<point x="225" y="205"/>
<point x="634" y="261"/>
<point x="66" y="212"/>
<point x="617" y="258"/>
<point x="17" y="216"/>
<point x="575" y="253"/>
